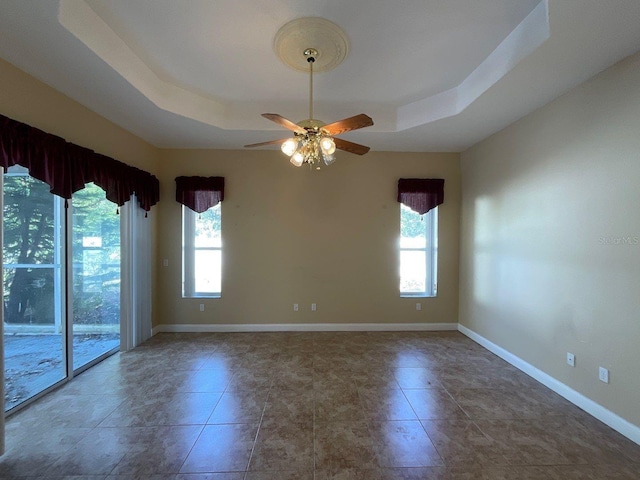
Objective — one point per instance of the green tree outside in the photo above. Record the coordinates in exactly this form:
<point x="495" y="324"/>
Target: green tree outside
<point x="29" y="231"/>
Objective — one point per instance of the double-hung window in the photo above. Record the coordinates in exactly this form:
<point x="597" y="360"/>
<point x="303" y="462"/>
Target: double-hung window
<point x="418" y="252"/>
<point x="201" y="199"/>
<point x="202" y="252"/>
<point x="419" y="199"/>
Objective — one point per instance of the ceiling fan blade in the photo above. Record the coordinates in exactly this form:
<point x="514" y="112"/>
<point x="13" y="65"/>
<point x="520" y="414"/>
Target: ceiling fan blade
<point x="348" y="124"/>
<point x="270" y="142"/>
<point x="350" y="146"/>
<point x="283" y="122"/>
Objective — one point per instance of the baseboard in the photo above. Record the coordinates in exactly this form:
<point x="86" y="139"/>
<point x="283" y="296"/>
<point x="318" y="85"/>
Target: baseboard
<point x="626" y="428"/>
<point x="306" y="327"/>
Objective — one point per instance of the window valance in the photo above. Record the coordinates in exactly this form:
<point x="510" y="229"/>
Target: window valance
<point x="67" y="167"/>
<point x="199" y="193"/>
<point x="421" y="194"/>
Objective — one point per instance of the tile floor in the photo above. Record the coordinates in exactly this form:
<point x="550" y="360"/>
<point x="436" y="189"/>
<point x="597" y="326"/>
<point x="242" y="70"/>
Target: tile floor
<point x="310" y="406"/>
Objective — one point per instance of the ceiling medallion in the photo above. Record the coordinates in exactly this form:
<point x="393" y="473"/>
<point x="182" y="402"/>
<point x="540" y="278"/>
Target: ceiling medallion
<point x="324" y="36"/>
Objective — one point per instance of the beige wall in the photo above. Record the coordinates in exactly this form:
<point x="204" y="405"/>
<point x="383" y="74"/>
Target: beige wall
<point x="550" y="249"/>
<point x="292" y="235"/>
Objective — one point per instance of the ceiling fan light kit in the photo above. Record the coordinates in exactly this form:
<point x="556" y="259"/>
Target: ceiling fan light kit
<point x="313" y="142"/>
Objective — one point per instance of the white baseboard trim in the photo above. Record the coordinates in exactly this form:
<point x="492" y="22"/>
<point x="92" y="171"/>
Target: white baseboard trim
<point x="306" y="327"/>
<point x="626" y="428"/>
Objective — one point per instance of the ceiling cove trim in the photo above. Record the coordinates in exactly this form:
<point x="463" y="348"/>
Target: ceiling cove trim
<point x="527" y="37"/>
<point x="87" y="26"/>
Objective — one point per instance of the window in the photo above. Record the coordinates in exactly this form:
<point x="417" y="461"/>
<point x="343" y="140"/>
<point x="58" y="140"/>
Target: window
<point x="418" y="252"/>
<point x="202" y="252"/>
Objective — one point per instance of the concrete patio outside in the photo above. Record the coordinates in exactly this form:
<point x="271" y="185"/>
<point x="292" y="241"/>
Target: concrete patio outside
<point x="34" y="360"/>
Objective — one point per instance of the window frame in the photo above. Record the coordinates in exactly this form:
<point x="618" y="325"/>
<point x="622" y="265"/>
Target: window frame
<point x="430" y="220"/>
<point x="189" y="249"/>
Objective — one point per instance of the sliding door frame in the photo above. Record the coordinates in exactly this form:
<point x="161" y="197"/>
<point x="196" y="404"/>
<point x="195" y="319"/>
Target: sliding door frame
<point x="63" y="232"/>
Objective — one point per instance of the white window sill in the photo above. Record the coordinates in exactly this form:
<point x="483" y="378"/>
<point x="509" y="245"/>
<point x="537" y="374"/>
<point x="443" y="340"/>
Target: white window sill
<point x="203" y="296"/>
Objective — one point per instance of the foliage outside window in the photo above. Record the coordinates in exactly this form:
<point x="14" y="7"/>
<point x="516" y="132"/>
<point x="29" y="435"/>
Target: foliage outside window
<point x="96" y="259"/>
<point x="31" y="264"/>
<point x="418" y="252"/>
<point x="202" y="252"/>
<point x="33" y="223"/>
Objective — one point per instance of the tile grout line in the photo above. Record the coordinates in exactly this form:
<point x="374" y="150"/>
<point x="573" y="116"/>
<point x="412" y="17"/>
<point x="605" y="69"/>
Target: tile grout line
<point x="255" y="439"/>
<point x="204" y="425"/>
<point x="367" y="422"/>
<point x="313" y="389"/>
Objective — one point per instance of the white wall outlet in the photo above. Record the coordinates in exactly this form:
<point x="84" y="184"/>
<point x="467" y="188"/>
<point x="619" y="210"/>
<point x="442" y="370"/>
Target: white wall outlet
<point x="603" y="375"/>
<point x="571" y="359"/>
<point x="202" y="307"/>
<point x="418" y="306"/>
<point x="313" y="307"/>
<point x="165" y="262"/>
<point x="295" y="307"/>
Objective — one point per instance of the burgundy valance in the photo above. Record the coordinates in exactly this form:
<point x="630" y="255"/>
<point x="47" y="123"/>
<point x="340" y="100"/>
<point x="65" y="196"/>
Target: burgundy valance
<point x="67" y="167"/>
<point x="199" y="193"/>
<point x="421" y="194"/>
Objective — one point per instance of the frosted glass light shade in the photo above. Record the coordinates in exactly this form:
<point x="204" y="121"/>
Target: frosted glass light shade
<point x="297" y="158"/>
<point x="327" y="145"/>
<point x="289" y="146"/>
<point x="328" y="158"/>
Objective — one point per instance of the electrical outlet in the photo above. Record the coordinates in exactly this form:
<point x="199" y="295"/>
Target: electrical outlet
<point x="202" y="307"/>
<point x="295" y="307"/>
<point x="313" y="307"/>
<point x="418" y="306"/>
<point x="571" y="359"/>
<point x="165" y="262"/>
<point x="603" y="375"/>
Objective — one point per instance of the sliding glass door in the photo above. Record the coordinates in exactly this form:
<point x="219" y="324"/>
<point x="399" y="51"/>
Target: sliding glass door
<point x="33" y="287"/>
<point x="96" y="276"/>
<point x="56" y="323"/>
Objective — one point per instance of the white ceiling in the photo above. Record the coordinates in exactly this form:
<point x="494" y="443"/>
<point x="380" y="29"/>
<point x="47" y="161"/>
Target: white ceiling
<point x="434" y="75"/>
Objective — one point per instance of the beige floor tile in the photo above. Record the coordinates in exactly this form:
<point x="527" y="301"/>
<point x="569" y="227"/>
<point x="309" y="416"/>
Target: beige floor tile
<point x="310" y="406"/>
<point x="338" y="404"/>
<point x="420" y="473"/>
<point x="286" y="475"/>
<point x="221" y="448"/>
<point x="403" y="444"/>
<point x="286" y="405"/>
<point x="211" y="476"/>
<point x="282" y="447"/>
<point x="460" y="442"/>
<point x="202" y="381"/>
<point x="158" y="450"/>
<point x="409" y="378"/>
<point x="434" y="404"/>
<point x="344" y="445"/>
<point x="239" y="407"/>
<point x="177" y="409"/>
<point x="383" y="404"/>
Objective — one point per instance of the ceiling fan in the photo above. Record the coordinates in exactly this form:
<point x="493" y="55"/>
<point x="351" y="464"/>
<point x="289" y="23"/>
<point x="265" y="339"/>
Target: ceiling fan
<point x="312" y="140"/>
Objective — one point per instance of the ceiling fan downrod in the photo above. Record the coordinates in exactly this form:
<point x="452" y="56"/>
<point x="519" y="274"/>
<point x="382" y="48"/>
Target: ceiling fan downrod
<point x="311" y="54"/>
